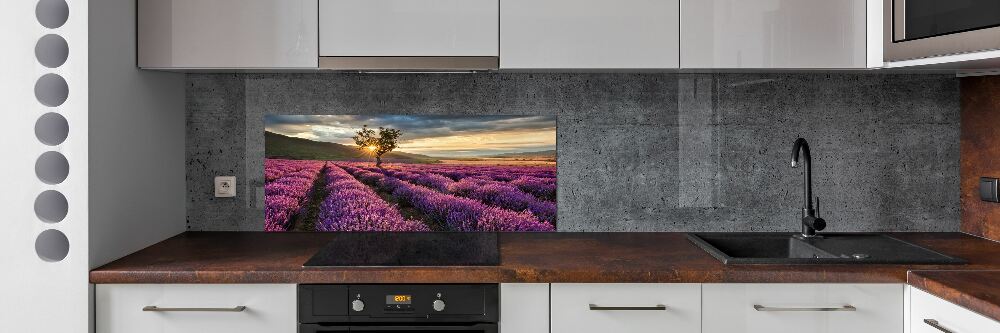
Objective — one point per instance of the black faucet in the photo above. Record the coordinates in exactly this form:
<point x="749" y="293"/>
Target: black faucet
<point x="810" y="221"/>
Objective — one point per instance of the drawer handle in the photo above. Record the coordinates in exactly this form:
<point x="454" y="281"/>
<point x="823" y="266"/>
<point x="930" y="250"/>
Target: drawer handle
<point x="934" y="323"/>
<point x="595" y="307"/>
<point x="769" y="308"/>
<point x="159" y="309"/>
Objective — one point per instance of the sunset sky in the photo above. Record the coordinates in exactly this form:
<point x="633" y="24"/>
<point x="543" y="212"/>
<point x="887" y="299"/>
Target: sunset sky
<point x="439" y="136"/>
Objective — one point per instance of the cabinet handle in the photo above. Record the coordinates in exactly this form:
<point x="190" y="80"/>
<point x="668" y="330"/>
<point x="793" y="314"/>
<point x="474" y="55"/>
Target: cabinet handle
<point x="768" y="308"/>
<point x="595" y="307"/>
<point x="159" y="309"/>
<point x="934" y="323"/>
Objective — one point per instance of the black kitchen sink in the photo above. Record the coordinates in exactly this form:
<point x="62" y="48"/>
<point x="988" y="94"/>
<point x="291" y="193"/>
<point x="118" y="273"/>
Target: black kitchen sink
<point x="831" y="248"/>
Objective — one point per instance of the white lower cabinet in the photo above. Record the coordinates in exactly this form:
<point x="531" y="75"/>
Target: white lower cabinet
<point x="569" y="307"/>
<point x="524" y="307"/>
<point x="930" y="314"/>
<point x="803" y="308"/>
<point x="186" y="308"/>
<point x="627" y="307"/>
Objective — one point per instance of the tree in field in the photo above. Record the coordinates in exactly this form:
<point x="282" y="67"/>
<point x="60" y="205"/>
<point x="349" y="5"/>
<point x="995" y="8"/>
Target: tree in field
<point x="384" y="142"/>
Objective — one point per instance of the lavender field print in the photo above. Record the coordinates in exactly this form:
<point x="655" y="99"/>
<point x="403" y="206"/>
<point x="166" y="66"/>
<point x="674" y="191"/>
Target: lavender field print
<point x="409" y="173"/>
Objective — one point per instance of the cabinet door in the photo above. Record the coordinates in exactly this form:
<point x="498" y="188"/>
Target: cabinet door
<point x="803" y="308"/>
<point x="930" y="314"/>
<point x="270" y="308"/>
<point x="773" y="34"/>
<point x="589" y="34"/>
<point x="227" y="34"/>
<point x="524" y="307"/>
<point x="425" y="28"/>
<point x="627" y="307"/>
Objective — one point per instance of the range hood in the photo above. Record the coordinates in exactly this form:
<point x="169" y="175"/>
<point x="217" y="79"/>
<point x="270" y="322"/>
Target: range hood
<point x="410" y="64"/>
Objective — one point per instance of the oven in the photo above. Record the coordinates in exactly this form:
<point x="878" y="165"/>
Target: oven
<point x="915" y="29"/>
<point x="378" y="308"/>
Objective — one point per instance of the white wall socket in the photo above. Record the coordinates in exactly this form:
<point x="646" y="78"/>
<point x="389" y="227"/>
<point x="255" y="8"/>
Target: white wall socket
<point x="225" y="186"/>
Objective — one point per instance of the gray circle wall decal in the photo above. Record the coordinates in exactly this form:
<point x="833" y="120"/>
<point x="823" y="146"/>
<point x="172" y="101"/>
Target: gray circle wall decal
<point x="52" y="167"/>
<point x="52" y="13"/>
<point x="51" y="206"/>
<point x="51" y="51"/>
<point x="52" y="245"/>
<point x="51" y="90"/>
<point x="51" y="129"/>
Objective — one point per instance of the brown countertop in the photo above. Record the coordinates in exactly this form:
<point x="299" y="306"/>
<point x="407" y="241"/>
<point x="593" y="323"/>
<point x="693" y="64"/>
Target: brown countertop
<point x="978" y="291"/>
<point x="257" y="257"/>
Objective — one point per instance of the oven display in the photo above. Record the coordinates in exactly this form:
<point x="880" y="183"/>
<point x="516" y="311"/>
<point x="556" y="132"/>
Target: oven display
<point x="398" y="299"/>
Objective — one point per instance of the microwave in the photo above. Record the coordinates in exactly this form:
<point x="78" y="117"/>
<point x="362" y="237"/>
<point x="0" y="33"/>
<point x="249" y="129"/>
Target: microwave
<point x="915" y="29"/>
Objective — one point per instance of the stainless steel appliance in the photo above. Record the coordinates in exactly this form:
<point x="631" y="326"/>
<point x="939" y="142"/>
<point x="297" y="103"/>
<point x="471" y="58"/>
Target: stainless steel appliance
<point x="916" y="29"/>
<point x="453" y="308"/>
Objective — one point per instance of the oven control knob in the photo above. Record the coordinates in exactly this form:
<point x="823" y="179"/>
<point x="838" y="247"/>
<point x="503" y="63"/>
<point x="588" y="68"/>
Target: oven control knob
<point x="438" y="305"/>
<point x="358" y="305"/>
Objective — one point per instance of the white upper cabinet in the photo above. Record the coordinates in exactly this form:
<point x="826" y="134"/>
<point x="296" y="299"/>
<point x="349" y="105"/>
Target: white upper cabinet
<point x="589" y="34"/>
<point x="409" y="28"/>
<point x="227" y="34"/>
<point x="511" y="34"/>
<point x="779" y="34"/>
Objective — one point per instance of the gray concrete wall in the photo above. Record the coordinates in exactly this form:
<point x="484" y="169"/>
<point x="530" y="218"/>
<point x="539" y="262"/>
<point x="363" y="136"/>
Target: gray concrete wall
<point x="637" y="152"/>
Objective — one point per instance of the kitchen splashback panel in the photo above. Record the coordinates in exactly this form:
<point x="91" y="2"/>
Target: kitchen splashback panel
<point x="409" y="173"/>
<point x="637" y="152"/>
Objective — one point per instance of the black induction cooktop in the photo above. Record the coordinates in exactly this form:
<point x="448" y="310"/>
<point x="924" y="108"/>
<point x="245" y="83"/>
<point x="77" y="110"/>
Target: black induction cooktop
<point x="408" y="249"/>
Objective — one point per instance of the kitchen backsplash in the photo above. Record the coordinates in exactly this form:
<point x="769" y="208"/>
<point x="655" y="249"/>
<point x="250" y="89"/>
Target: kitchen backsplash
<point x="637" y="152"/>
<point x="980" y="146"/>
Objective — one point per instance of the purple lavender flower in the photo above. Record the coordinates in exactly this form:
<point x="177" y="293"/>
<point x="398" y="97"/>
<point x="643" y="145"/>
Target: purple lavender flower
<point x="497" y="219"/>
<point x="544" y="188"/>
<point x="287" y="184"/>
<point x="352" y="206"/>
<point x="461" y="197"/>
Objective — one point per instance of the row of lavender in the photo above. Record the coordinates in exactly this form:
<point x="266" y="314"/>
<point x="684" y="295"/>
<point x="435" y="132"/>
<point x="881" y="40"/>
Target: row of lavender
<point x="353" y="206"/>
<point x="287" y="185"/>
<point x="455" y="197"/>
<point x="500" y="173"/>
<point x="538" y="181"/>
<point x="457" y="213"/>
<point x="481" y="188"/>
